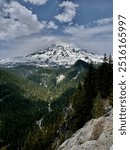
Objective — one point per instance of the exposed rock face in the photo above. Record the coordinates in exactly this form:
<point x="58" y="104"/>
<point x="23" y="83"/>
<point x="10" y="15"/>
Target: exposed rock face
<point x="97" y="134"/>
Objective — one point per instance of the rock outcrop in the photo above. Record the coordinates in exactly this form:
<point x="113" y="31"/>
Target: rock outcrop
<point x="97" y="134"/>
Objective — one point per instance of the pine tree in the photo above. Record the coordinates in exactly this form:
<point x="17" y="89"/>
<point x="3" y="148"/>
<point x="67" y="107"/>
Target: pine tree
<point x="83" y="100"/>
<point x="90" y="90"/>
<point x="110" y="60"/>
<point x="105" y="58"/>
<point x="105" y="78"/>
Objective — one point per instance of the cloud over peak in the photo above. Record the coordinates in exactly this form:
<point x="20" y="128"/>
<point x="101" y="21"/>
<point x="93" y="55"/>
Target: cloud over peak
<point x="69" y="12"/>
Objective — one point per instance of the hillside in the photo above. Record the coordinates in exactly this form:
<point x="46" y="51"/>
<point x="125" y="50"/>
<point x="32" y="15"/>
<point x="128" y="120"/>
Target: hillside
<point x="29" y="88"/>
<point x="21" y="104"/>
<point x="53" y="81"/>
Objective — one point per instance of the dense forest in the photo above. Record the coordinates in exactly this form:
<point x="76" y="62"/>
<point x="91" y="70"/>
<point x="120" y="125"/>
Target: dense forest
<point x="28" y="121"/>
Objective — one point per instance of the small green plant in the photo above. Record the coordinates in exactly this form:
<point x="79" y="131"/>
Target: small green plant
<point x="98" y="107"/>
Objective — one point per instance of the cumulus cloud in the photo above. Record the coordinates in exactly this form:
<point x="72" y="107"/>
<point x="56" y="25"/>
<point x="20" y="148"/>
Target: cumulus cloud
<point x="52" y="25"/>
<point x="69" y="11"/>
<point x="16" y="21"/>
<point x="37" y="2"/>
<point x="49" y="25"/>
<point x="95" y="38"/>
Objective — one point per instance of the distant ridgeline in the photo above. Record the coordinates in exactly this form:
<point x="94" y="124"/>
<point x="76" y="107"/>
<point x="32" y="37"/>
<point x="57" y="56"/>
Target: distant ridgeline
<point x="42" y="107"/>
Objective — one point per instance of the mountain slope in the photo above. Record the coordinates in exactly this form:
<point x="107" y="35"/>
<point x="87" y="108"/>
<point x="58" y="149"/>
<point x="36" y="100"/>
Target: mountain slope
<point x="54" y="56"/>
<point x="21" y="105"/>
<point x="53" y="81"/>
<point x="30" y="88"/>
<point x="63" y="55"/>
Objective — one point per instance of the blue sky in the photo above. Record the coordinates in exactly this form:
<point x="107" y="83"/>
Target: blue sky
<point x="30" y="25"/>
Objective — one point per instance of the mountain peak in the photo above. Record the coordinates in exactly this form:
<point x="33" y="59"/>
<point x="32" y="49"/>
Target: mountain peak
<point x="63" y="44"/>
<point x="58" y="54"/>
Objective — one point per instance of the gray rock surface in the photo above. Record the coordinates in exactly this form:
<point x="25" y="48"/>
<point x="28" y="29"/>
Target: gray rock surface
<point x="97" y="134"/>
<point x="111" y="147"/>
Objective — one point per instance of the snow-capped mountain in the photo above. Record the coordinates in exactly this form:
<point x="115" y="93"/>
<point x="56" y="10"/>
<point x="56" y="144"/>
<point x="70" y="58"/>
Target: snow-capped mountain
<point x="55" y="55"/>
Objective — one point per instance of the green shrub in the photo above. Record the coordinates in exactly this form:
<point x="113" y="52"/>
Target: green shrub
<point x="98" y="107"/>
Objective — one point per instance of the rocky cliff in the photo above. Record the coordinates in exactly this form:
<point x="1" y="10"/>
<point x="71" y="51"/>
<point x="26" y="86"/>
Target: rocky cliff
<point x="97" y="134"/>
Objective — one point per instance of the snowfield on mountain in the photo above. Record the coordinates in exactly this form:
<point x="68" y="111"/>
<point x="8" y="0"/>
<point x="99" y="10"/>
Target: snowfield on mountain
<point x="53" y="56"/>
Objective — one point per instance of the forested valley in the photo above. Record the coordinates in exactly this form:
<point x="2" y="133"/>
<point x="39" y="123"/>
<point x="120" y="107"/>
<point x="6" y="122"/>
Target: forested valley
<point x="39" y="116"/>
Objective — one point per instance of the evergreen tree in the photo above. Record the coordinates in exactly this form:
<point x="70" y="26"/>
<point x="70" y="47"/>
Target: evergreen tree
<point x="105" y="58"/>
<point x="83" y="100"/>
<point x="90" y="90"/>
<point x="110" y="60"/>
<point x="105" y="78"/>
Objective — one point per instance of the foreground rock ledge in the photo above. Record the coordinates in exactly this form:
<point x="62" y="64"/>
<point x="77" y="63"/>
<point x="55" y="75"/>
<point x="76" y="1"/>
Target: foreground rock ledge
<point x="97" y="134"/>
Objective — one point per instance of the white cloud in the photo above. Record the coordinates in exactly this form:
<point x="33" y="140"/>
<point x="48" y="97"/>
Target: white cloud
<point x="49" y="25"/>
<point x="83" y="31"/>
<point x="97" y="39"/>
<point x="26" y="45"/>
<point x="16" y="21"/>
<point x="52" y="25"/>
<point x="104" y="21"/>
<point x="68" y="13"/>
<point x="93" y="38"/>
<point x="37" y="2"/>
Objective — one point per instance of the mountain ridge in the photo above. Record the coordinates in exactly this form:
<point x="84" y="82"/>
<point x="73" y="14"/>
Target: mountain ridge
<point x="54" y="56"/>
